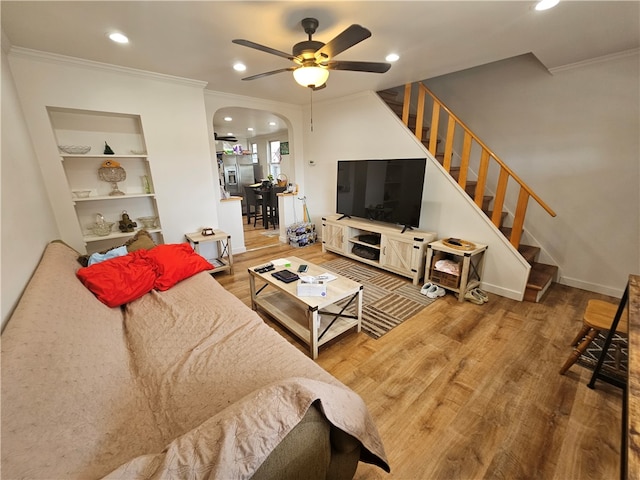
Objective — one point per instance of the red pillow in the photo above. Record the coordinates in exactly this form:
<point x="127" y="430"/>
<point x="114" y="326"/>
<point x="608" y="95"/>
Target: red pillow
<point x="175" y="262"/>
<point x="119" y="280"/>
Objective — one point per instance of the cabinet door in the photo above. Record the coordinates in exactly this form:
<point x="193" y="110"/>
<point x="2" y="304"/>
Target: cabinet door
<point x="333" y="237"/>
<point x="397" y="254"/>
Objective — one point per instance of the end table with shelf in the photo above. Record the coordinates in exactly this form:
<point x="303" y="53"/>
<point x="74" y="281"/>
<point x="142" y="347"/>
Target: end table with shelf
<point x="224" y="260"/>
<point x="470" y="260"/>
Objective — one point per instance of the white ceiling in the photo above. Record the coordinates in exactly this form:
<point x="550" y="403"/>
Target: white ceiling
<point x="193" y="39"/>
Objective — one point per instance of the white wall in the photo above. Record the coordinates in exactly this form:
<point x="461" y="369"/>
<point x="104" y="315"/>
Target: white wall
<point x="27" y="218"/>
<point x="174" y="123"/>
<point x="573" y="137"/>
<point x="361" y="126"/>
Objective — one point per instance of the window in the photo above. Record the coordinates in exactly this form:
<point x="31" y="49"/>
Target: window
<point x="274" y="149"/>
<point x="274" y="158"/>
<point x="254" y="153"/>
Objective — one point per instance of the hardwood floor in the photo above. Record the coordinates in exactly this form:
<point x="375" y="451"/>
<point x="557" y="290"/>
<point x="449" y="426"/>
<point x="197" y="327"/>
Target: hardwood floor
<point x="464" y="391"/>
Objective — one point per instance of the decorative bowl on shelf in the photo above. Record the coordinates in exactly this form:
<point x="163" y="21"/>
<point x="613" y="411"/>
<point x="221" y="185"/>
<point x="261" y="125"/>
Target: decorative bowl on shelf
<point x="82" y="193"/>
<point x="75" y="149"/>
<point x="149" y="222"/>
<point x="137" y="152"/>
<point x="102" y="229"/>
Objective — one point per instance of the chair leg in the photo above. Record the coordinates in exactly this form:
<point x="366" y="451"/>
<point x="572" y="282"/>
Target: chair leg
<point x="581" y="335"/>
<point x="579" y="350"/>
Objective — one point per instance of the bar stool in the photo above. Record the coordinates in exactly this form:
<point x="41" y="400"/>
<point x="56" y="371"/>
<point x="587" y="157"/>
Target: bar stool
<point x="598" y="316"/>
<point x="254" y="205"/>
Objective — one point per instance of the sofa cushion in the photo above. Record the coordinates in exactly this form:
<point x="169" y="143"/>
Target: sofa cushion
<point x="175" y="262"/>
<point x="119" y="280"/>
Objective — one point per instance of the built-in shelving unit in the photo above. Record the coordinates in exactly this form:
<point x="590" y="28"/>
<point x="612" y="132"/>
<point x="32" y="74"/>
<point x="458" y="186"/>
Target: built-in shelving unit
<point x="123" y="133"/>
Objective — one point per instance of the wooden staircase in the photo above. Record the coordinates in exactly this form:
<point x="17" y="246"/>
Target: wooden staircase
<point x="541" y="275"/>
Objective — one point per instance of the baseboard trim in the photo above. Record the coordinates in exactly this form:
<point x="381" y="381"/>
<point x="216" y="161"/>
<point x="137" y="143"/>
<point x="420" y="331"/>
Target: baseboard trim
<point x="592" y="287"/>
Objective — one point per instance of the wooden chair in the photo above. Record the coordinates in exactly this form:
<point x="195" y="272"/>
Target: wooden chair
<point x="598" y="317"/>
<point x="254" y="205"/>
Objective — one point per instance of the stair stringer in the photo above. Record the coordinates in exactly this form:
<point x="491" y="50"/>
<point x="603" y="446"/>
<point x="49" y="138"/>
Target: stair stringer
<point x="505" y="271"/>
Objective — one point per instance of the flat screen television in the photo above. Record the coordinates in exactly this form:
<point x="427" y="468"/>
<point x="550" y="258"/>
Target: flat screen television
<point x="384" y="190"/>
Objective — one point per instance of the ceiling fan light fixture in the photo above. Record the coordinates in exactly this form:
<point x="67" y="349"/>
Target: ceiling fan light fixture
<point x="311" y="76"/>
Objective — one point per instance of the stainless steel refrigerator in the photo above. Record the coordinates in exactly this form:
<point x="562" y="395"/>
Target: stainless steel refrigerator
<point x="238" y="173"/>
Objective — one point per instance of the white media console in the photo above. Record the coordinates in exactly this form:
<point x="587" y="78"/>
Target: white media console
<point x="379" y="244"/>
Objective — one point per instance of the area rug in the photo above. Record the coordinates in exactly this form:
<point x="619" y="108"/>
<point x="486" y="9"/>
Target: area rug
<point x="616" y="360"/>
<point x="270" y="233"/>
<point x="388" y="299"/>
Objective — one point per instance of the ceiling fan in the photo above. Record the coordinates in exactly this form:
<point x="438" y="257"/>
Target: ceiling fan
<point x="314" y="59"/>
<point x="225" y="138"/>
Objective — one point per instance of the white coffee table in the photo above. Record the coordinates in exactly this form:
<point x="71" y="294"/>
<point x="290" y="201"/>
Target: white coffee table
<point x="315" y="320"/>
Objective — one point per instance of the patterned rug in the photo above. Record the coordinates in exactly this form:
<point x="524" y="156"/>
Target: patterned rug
<point x="388" y="299"/>
<point x="616" y="361"/>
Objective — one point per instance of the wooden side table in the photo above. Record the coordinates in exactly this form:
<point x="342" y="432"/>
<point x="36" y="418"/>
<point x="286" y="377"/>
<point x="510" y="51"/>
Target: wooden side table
<point x="224" y="261"/>
<point x="471" y="261"/>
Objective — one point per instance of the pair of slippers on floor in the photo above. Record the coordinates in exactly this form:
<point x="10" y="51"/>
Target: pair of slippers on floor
<point x="432" y="290"/>
<point x="477" y="296"/>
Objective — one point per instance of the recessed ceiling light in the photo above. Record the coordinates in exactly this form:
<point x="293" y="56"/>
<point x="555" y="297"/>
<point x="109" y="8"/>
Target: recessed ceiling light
<point x="392" y="57"/>
<point x="239" y="67"/>
<point x="118" y="37"/>
<point x="546" y="4"/>
<point x="273" y="124"/>
<point x="230" y="134"/>
<point x="227" y="119"/>
<point x="250" y="129"/>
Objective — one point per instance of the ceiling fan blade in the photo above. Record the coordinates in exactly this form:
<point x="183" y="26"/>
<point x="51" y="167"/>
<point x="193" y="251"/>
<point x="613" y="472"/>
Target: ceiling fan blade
<point x="347" y="39"/>
<point x="373" y="67"/>
<point x="262" y="48"/>
<point x="272" y="72"/>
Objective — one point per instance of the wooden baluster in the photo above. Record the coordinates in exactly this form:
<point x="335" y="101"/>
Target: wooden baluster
<point x="482" y="177"/>
<point x="448" y="147"/>
<point x="464" y="160"/>
<point x="433" y="134"/>
<point x="498" y="201"/>
<point x="406" y="104"/>
<point x="420" y="114"/>
<point x="518" y="220"/>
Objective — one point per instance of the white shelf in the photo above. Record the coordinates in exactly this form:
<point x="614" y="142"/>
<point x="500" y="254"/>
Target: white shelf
<point x="98" y="238"/>
<point x="114" y="197"/>
<point x="89" y="155"/>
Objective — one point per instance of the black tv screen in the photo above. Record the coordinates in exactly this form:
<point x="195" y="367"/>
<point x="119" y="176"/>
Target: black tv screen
<point x="383" y="190"/>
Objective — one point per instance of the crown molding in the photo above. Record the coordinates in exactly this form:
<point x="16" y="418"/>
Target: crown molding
<point x="595" y="61"/>
<point x="38" y="55"/>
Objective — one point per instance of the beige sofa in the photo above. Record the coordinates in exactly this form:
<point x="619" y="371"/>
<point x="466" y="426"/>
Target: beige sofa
<point x="186" y="383"/>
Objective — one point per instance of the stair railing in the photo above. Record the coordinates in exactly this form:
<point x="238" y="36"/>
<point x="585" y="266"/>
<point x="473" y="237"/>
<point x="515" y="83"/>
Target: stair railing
<point x="486" y="156"/>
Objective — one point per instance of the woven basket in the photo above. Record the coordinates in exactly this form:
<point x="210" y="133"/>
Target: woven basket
<point x="282" y="180"/>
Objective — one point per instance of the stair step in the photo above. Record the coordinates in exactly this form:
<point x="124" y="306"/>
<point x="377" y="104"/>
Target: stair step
<point x="540" y="278"/>
<point x="503" y="215"/>
<point x="529" y="252"/>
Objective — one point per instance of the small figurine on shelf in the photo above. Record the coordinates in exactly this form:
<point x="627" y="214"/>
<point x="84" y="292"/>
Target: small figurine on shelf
<point x="107" y="149"/>
<point x="126" y="224"/>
